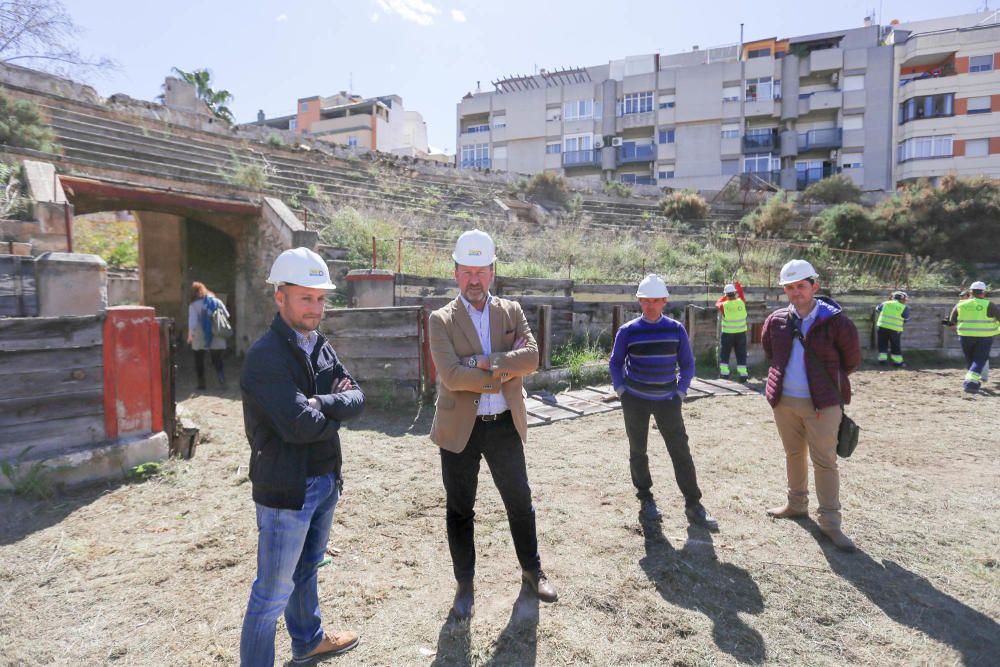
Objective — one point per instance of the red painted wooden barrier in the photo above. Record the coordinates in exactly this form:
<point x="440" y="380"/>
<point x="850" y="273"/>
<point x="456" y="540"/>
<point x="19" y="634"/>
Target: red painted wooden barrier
<point x="133" y="391"/>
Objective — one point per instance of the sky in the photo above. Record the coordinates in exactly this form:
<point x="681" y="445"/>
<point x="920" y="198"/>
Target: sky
<point x="269" y="54"/>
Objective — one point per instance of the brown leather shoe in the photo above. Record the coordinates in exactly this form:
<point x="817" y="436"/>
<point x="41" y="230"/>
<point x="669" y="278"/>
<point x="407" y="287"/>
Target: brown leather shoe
<point x="335" y="644"/>
<point x="841" y="541"/>
<point x="539" y="583"/>
<point x="787" y="511"/>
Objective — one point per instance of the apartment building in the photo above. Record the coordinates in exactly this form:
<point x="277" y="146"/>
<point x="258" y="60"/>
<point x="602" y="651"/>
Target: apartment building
<point x="947" y="97"/>
<point x="791" y="111"/>
<point x="374" y="123"/>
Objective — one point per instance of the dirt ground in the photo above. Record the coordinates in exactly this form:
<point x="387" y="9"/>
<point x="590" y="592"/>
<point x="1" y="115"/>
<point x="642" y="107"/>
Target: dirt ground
<point x="158" y="572"/>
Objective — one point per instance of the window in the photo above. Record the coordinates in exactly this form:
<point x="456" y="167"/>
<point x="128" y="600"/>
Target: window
<point x="304" y="107"/>
<point x="852" y="162"/>
<point x="664" y="175"/>
<point x="927" y="106"/>
<point x="854" y="82"/>
<point x="636" y="103"/>
<point x="855" y="122"/>
<point x="553" y="149"/>
<point x="473" y="129"/>
<point x="981" y="63"/>
<point x="754" y="162"/>
<point x="730" y="131"/>
<point x="581" y="142"/>
<point x="552" y="113"/>
<point x="761" y="138"/>
<point x="979" y="105"/>
<point x="352" y="141"/>
<point x="730" y="93"/>
<point x="667" y="136"/>
<point x="730" y="167"/>
<point x="666" y="101"/>
<point x="293" y="123"/>
<point x="922" y="148"/>
<point x="578" y="110"/>
<point x="476" y="156"/>
<point x="499" y="122"/>
<point x="759" y="89"/>
<point x="759" y="53"/>
<point x="977" y="148"/>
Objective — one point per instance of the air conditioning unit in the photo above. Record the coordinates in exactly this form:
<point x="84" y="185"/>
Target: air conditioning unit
<point x="616" y="141"/>
<point x="833" y="154"/>
<point x="834" y="78"/>
<point x="598" y="143"/>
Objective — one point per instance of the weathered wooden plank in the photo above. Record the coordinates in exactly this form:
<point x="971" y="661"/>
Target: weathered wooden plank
<point x="26" y="410"/>
<point x="371" y="323"/>
<point x="51" y="382"/>
<point x="380" y="348"/>
<point x="35" y="333"/>
<point x="54" y="435"/>
<point x="23" y="361"/>
<point x="410" y="280"/>
<point x="366" y="368"/>
<point x="431" y="303"/>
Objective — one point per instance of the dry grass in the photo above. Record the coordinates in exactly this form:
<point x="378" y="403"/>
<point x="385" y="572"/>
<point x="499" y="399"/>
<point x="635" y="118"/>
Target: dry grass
<point x="158" y="572"/>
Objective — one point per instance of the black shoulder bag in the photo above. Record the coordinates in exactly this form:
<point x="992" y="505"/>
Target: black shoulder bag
<point x="847" y="434"/>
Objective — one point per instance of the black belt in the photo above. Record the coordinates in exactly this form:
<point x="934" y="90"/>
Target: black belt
<point x="493" y="418"/>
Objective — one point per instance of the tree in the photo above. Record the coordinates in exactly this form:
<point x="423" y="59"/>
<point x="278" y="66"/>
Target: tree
<point x="216" y="100"/>
<point x="41" y="32"/>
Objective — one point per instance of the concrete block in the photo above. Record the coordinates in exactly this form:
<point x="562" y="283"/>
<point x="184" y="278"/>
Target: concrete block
<point x="371" y="288"/>
<point x="71" y="284"/>
<point x="95" y="463"/>
<point x="41" y="182"/>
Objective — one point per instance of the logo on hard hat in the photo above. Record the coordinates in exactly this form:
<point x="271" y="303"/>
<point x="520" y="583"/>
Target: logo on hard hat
<point x="315" y="272"/>
<point x="475" y="253"/>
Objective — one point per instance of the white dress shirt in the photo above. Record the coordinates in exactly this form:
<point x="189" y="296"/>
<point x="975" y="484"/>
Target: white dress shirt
<point x="489" y="404"/>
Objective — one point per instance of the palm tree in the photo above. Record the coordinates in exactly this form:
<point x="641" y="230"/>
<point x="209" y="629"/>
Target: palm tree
<point x="216" y="100"/>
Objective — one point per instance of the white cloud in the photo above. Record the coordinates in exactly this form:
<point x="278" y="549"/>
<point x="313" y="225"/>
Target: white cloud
<point x="458" y="16"/>
<point x="374" y="17"/>
<point x="414" y="11"/>
<point x="281" y="18"/>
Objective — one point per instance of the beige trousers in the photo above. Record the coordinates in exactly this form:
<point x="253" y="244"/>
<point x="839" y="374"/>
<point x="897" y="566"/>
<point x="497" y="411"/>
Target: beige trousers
<point x="804" y="430"/>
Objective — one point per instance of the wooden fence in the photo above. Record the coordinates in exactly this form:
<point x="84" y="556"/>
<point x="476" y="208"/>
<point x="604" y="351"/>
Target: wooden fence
<point x="379" y="344"/>
<point x="18" y="294"/>
<point x="51" y="384"/>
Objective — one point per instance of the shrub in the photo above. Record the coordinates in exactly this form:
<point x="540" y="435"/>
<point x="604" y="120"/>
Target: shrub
<point x="837" y="189"/>
<point x="115" y="241"/>
<point x="845" y="225"/>
<point x="12" y="204"/>
<point x="21" y="126"/>
<point x="548" y="188"/>
<point x="250" y="175"/>
<point x="275" y="140"/>
<point x="956" y="219"/>
<point x="684" y="205"/>
<point x="771" y="217"/>
<point x="617" y="189"/>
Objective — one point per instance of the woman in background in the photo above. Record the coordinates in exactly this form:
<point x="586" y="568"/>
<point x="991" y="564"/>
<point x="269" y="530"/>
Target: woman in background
<point x="200" y="337"/>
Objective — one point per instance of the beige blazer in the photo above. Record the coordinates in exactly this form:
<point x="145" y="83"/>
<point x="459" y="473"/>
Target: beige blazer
<point x="452" y="336"/>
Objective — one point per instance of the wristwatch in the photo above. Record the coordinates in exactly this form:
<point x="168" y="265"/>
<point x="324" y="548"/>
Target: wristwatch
<point x="472" y="362"/>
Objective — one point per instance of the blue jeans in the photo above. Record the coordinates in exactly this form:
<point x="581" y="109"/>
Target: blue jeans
<point x="290" y="545"/>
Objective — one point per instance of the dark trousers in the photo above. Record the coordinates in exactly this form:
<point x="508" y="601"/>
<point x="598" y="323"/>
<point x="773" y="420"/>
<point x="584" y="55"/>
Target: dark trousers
<point x="730" y="341"/>
<point x="199" y="363"/>
<point x="500" y="444"/>
<point x="889" y="340"/>
<point x="977" y="352"/>
<point x="669" y="420"/>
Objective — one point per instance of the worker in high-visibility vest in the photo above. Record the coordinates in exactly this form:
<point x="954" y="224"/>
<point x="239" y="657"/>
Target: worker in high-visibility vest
<point x="733" y="310"/>
<point x="892" y="316"/>
<point x="977" y="321"/>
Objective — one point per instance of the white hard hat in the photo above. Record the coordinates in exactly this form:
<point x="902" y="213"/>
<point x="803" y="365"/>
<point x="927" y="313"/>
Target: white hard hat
<point x="474" y="248"/>
<point x="729" y="288"/>
<point x="796" y="270"/>
<point x="300" y="266"/>
<point x="900" y="294"/>
<point x="978" y="285"/>
<point x="652" y="287"/>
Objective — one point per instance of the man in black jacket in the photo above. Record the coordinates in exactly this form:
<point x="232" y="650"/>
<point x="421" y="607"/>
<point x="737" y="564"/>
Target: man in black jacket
<point x="295" y="395"/>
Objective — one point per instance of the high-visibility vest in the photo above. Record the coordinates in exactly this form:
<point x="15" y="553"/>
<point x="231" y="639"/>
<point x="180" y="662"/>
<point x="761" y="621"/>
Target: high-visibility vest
<point x="734" y="316"/>
<point x="973" y="321"/>
<point x="891" y="316"/>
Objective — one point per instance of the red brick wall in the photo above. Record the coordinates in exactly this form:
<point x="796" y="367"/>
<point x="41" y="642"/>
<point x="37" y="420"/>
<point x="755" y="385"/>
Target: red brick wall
<point x="996" y="61"/>
<point x="958" y="147"/>
<point x="962" y="65"/>
<point x="961" y="106"/>
<point x="994" y="145"/>
<point x="995" y="103"/>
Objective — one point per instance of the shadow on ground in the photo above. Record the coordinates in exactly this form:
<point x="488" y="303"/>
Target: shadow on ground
<point x="694" y="578"/>
<point x="516" y="645"/>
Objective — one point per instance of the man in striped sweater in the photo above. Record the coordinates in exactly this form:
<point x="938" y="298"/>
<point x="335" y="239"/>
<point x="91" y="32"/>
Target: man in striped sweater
<point x="644" y="365"/>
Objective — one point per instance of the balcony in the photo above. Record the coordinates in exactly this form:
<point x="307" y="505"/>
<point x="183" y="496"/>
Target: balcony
<point x="945" y="69"/>
<point x="587" y="158"/>
<point x="761" y="142"/>
<point x="636" y="153"/>
<point x="631" y="120"/>
<point x="821" y="100"/>
<point x="481" y="163"/>
<point x="750" y="180"/>
<point x="806" y="177"/>
<point x="817" y="139"/>
<point x="824" y="60"/>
